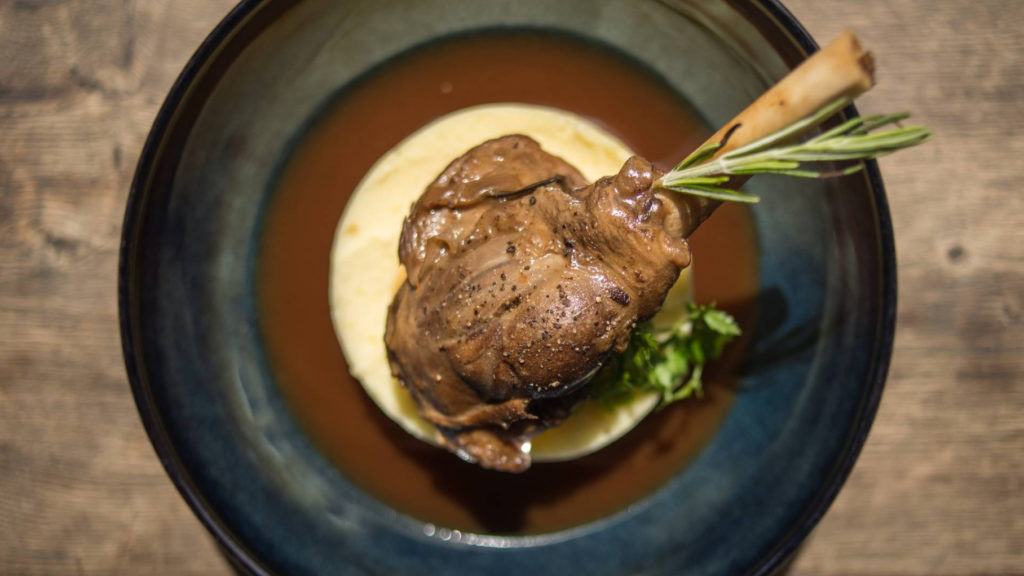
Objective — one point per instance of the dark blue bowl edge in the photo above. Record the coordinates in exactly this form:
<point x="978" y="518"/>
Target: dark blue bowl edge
<point x="238" y="554"/>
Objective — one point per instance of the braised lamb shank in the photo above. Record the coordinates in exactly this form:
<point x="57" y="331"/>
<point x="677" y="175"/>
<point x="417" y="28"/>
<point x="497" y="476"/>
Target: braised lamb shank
<point x="522" y="279"/>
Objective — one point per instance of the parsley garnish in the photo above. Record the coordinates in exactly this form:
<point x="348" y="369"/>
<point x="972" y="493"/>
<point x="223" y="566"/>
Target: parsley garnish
<point x="669" y="362"/>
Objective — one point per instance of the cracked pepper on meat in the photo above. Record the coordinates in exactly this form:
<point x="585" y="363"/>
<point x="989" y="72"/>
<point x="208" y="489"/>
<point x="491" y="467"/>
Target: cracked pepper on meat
<point x="522" y="279"/>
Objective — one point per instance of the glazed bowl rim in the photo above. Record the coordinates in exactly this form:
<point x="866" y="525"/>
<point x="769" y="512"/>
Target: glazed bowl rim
<point x="237" y="553"/>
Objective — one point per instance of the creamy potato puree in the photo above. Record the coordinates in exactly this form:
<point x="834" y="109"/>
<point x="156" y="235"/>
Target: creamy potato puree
<point x="365" y="271"/>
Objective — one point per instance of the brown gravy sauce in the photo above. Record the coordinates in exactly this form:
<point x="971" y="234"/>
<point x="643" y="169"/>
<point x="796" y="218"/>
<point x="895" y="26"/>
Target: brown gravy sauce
<point x="367" y="120"/>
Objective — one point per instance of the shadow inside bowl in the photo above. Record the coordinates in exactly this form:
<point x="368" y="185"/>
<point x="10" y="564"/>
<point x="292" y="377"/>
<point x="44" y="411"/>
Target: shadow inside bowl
<point x="208" y="394"/>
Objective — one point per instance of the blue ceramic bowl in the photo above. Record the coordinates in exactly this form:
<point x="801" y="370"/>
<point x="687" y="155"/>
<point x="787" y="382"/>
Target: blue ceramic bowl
<point x="209" y="402"/>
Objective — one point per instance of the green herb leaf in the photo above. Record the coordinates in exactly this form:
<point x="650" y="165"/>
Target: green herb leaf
<point x="669" y="362"/>
<point x="702" y="174"/>
<point x="699" y="155"/>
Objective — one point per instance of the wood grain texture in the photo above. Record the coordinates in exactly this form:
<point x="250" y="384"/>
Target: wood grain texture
<point x="939" y="489"/>
<point x="81" y="490"/>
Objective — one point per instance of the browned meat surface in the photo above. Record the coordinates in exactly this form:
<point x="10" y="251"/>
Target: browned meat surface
<point x="517" y="292"/>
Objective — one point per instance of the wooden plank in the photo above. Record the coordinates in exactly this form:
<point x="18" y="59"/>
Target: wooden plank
<point x="81" y="490"/>
<point x="939" y="488"/>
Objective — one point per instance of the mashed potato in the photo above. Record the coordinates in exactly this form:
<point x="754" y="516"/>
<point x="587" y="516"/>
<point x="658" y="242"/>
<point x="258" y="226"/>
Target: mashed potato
<point x="365" y="272"/>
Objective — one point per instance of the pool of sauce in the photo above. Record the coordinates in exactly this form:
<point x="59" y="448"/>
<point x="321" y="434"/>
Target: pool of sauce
<point x="366" y="120"/>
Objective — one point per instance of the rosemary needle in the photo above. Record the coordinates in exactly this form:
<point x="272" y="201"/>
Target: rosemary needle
<point x="856" y="140"/>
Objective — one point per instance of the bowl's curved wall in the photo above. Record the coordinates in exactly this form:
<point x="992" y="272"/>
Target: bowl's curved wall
<point x="209" y="401"/>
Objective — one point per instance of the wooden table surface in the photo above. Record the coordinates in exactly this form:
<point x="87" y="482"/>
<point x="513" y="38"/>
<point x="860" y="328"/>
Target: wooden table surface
<point x="939" y="489"/>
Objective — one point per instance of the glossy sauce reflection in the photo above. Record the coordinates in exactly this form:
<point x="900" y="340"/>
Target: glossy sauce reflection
<point x="365" y="122"/>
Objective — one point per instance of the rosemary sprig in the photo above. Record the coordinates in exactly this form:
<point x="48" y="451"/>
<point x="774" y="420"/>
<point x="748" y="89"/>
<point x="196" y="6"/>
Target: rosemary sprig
<point x="855" y="140"/>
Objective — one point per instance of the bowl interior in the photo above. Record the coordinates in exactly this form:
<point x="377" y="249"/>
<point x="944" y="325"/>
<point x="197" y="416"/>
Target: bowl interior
<point x="208" y="395"/>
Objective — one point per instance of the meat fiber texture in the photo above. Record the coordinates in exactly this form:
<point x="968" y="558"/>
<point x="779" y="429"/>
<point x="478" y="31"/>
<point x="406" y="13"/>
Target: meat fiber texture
<point x="521" y="280"/>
